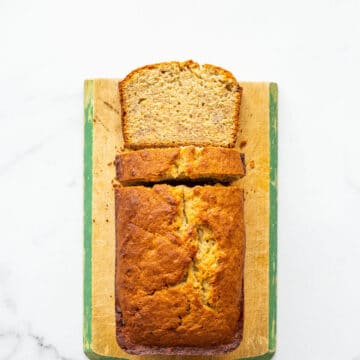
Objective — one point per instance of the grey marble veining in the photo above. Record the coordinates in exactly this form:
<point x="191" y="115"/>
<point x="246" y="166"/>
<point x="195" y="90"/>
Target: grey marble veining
<point x="22" y="346"/>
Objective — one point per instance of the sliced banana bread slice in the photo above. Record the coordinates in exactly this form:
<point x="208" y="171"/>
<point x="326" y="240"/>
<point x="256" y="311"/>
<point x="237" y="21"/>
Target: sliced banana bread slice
<point x="179" y="103"/>
<point x="180" y="163"/>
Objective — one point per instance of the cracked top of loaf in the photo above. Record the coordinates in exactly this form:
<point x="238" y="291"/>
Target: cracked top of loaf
<point x="179" y="103"/>
<point x="180" y="163"/>
<point x="179" y="268"/>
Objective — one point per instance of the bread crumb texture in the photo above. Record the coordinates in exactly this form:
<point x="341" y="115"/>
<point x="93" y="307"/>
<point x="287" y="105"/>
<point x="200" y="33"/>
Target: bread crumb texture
<point x="180" y="103"/>
<point x="180" y="253"/>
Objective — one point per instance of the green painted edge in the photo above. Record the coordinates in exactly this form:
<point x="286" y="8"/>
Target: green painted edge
<point x="93" y="356"/>
<point x="273" y="134"/>
<point x="265" y="356"/>
<point x="88" y="142"/>
<point x="88" y="183"/>
<point x="273" y="90"/>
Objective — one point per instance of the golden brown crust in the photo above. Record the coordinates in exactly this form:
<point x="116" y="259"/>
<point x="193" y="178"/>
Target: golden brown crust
<point x="184" y="163"/>
<point x="237" y="116"/>
<point x="123" y="112"/>
<point x="179" y="269"/>
<point x="147" y="165"/>
<point x="188" y="63"/>
<point x="216" y="162"/>
<point x="146" y="145"/>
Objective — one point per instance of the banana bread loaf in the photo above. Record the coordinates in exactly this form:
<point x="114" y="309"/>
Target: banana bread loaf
<point x="179" y="268"/>
<point x="181" y="163"/>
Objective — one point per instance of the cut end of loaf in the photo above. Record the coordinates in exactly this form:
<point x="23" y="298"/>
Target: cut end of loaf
<point x="179" y="103"/>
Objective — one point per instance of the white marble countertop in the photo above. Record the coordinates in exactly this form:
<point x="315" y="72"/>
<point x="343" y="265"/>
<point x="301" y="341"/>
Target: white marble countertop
<point x="311" y="49"/>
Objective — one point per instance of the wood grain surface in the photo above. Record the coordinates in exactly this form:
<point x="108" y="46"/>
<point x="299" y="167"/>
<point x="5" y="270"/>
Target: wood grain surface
<point x="102" y="141"/>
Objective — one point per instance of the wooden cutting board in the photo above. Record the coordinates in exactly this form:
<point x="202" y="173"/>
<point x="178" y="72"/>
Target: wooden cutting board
<point x="258" y="140"/>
